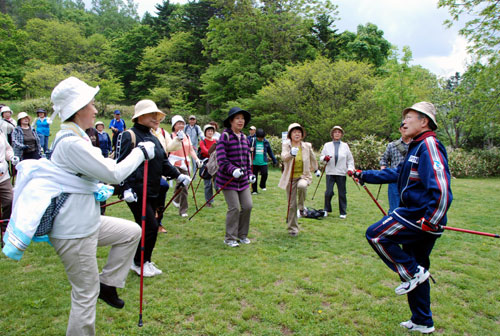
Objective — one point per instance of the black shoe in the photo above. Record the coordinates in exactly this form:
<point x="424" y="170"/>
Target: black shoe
<point x="108" y="294"/>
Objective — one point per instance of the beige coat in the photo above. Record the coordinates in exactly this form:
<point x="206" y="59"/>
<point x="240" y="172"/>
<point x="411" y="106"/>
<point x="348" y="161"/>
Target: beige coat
<point x="308" y="159"/>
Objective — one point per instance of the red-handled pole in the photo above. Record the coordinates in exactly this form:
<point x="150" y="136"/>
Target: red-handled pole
<point x="189" y="173"/>
<point x="143" y="224"/>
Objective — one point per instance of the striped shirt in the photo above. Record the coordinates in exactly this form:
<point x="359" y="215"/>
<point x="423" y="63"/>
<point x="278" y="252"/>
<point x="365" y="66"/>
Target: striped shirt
<point x="393" y="155"/>
<point x="233" y="152"/>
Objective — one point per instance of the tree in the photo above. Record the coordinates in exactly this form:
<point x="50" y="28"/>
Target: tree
<point x="11" y="58"/>
<point x="483" y="30"/>
<point x="114" y="17"/>
<point x="320" y="94"/>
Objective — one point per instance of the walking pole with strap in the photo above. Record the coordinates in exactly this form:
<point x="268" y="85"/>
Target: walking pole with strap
<point x="177" y="192"/>
<point x="211" y="198"/>
<point x="196" y="189"/>
<point x="143" y="225"/>
<point x="322" y="172"/>
<point x="359" y="182"/>
<point x="189" y="173"/>
<point x="290" y="191"/>
<point x="444" y="227"/>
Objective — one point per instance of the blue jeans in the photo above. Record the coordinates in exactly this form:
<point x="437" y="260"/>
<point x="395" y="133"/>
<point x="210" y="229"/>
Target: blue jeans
<point x="44" y="142"/>
<point x="393" y="194"/>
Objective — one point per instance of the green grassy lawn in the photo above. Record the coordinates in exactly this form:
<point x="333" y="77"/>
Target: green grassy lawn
<point x="326" y="281"/>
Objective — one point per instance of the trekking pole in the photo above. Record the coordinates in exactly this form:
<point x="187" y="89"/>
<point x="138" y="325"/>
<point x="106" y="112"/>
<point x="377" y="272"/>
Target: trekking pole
<point x="369" y="193"/>
<point x="143" y="225"/>
<point x="378" y="193"/>
<point x="211" y="198"/>
<point x="322" y="172"/>
<point x="177" y="191"/>
<point x="189" y="173"/>
<point x="196" y="189"/>
<point x="115" y="202"/>
<point x="290" y="191"/>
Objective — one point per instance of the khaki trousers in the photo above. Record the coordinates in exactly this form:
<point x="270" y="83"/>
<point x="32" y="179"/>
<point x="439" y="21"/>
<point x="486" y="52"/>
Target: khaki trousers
<point x="182" y="197"/>
<point x="299" y="188"/>
<point x="79" y="259"/>
<point x="239" y="209"/>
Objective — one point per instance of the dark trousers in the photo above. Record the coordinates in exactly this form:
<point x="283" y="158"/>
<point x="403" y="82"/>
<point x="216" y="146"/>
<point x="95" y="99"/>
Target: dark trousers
<point x="151" y="227"/>
<point x="263" y="171"/>
<point x="6" y="195"/>
<point x="31" y="155"/>
<point x="331" y="180"/>
<point x="115" y="139"/>
<point x="385" y="237"/>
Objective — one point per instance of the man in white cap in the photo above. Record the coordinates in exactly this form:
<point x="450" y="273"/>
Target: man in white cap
<point x="70" y="179"/>
<point x="193" y="130"/>
<point x="147" y="117"/>
<point x="424" y="186"/>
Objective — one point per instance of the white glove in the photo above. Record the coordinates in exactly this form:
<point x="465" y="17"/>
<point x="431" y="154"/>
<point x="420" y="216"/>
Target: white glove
<point x="317" y="173"/>
<point x="294" y="151"/>
<point x="252" y="179"/>
<point x="180" y="135"/>
<point x="149" y="148"/>
<point x="184" y="180"/>
<point x="15" y="160"/>
<point x="129" y="196"/>
<point x="49" y="121"/>
<point x="237" y="173"/>
<point x="198" y="163"/>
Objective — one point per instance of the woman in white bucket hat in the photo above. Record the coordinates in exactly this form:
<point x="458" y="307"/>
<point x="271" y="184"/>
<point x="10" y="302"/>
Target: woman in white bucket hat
<point x="147" y="116"/>
<point x="79" y="228"/>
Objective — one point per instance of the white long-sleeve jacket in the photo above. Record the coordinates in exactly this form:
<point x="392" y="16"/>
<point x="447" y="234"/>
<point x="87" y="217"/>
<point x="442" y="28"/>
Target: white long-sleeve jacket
<point x="345" y="160"/>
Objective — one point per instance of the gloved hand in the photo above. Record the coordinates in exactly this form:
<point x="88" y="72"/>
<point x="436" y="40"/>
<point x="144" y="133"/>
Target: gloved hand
<point x="357" y="175"/>
<point x="294" y="151"/>
<point x="237" y="173"/>
<point x="325" y="158"/>
<point x="350" y="172"/>
<point x="148" y="148"/>
<point x="427" y="226"/>
<point x="180" y="135"/>
<point x="183" y="179"/>
<point x="198" y="163"/>
<point x="252" y="179"/>
<point x="15" y="160"/>
<point x="317" y="173"/>
<point x="129" y="196"/>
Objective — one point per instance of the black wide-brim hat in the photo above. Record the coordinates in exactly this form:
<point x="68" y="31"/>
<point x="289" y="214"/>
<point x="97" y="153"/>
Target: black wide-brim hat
<point x="232" y="113"/>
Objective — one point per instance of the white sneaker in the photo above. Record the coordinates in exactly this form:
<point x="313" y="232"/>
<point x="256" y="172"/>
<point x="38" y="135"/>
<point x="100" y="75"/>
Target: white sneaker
<point x="254" y="193"/>
<point x="231" y="243"/>
<point x="147" y="272"/>
<point x="245" y="241"/>
<point x="152" y="267"/>
<point x="343" y="216"/>
<point x="417" y="327"/>
<point x="263" y="189"/>
<point x="419" y="277"/>
<point x="176" y="204"/>
<point x="184" y="215"/>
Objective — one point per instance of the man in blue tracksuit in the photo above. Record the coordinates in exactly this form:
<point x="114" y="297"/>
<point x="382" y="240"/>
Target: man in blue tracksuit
<point x="423" y="180"/>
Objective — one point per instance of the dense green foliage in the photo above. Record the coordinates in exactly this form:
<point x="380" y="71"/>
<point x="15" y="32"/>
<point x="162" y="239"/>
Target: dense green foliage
<point x="285" y="61"/>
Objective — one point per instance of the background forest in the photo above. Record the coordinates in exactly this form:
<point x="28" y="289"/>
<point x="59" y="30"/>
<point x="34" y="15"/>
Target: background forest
<point x="284" y="60"/>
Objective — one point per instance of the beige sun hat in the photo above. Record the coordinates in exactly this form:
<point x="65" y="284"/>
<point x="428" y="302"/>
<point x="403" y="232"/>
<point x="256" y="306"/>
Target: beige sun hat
<point x="22" y="115"/>
<point x="336" y="128"/>
<point x="208" y="126"/>
<point x="98" y="123"/>
<point x="426" y="108"/>
<point x="296" y="125"/>
<point x="175" y="119"/>
<point x="146" y="106"/>
<point x="70" y="95"/>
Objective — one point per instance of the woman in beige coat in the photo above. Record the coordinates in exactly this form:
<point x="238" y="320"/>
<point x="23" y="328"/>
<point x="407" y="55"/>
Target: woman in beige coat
<point x="299" y="155"/>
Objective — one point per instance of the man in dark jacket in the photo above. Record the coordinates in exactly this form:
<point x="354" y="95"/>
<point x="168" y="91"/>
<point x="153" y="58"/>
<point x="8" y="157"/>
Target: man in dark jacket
<point x="425" y="196"/>
<point x="146" y="116"/>
<point x="260" y="150"/>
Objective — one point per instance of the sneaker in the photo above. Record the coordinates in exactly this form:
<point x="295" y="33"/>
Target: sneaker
<point x="293" y="234"/>
<point x="420" y="276"/>
<point x="152" y="267"/>
<point x="184" y="215"/>
<point x="137" y="269"/>
<point x="209" y="205"/>
<point x="343" y="216"/>
<point x="417" y="327"/>
<point x="176" y="204"/>
<point x="231" y="243"/>
<point x="254" y="193"/>
<point x="245" y="241"/>
<point x="263" y="189"/>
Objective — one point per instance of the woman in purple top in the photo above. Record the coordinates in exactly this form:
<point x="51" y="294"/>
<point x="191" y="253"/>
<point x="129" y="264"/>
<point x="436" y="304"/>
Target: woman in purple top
<point x="233" y="157"/>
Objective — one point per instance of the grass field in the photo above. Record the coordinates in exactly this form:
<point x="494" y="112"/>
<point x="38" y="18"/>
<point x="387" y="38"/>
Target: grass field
<point x="326" y="281"/>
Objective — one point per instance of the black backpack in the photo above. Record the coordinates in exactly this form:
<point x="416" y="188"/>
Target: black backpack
<point x="316" y="214"/>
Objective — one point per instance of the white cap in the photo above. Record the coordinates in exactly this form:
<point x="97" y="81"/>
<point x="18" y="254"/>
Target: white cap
<point x="146" y="106"/>
<point x="5" y="109"/>
<point x="175" y="119"/>
<point x="70" y="95"/>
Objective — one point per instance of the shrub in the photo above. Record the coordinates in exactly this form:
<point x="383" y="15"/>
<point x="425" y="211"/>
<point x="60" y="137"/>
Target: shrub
<point x="475" y="163"/>
<point x="367" y="152"/>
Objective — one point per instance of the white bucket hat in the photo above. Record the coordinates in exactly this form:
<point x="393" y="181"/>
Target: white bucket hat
<point x="426" y="108"/>
<point x="176" y="119"/>
<point x="70" y="95"/>
<point x="22" y="115"/>
<point x="146" y="106"/>
<point x="98" y="123"/>
<point x="5" y="109"/>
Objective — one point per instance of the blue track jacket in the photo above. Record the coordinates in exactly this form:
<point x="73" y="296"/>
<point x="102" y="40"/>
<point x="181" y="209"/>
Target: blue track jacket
<point x="423" y="182"/>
